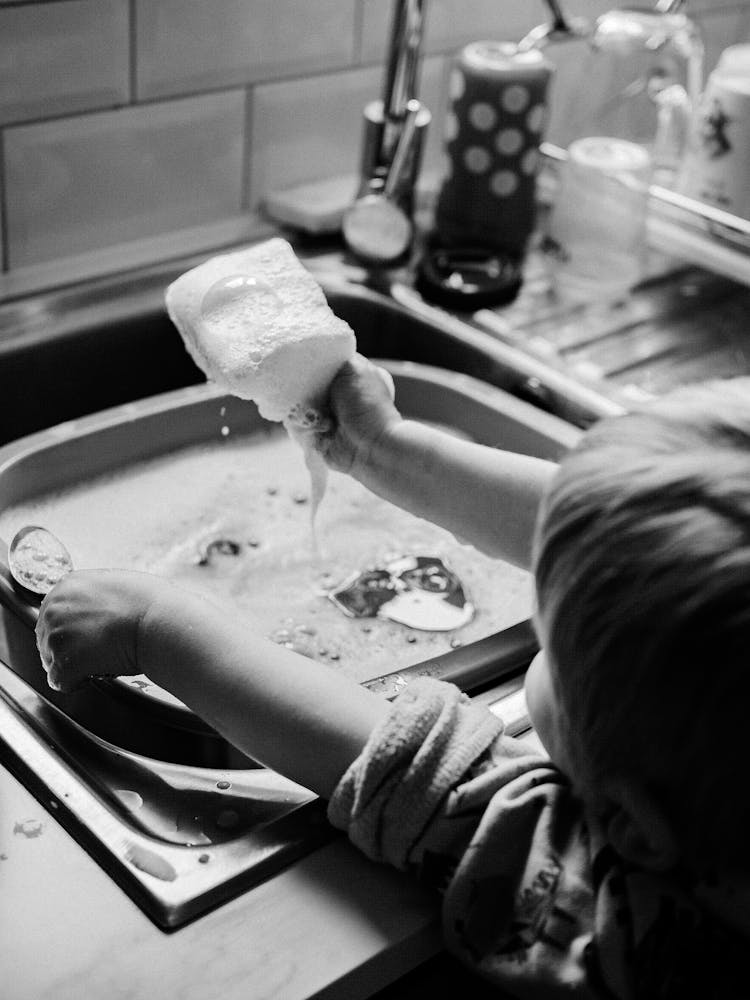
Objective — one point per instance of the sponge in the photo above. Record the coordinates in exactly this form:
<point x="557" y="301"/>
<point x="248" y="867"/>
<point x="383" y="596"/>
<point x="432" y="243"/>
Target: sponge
<point x="258" y="325"/>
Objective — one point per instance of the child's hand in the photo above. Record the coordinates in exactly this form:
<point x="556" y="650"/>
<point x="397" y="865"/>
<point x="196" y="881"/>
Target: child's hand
<point x="361" y="400"/>
<point x="89" y="622"/>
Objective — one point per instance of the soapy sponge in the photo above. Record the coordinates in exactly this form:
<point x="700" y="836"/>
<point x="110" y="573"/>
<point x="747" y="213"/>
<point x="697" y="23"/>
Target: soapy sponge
<point x="258" y="325"/>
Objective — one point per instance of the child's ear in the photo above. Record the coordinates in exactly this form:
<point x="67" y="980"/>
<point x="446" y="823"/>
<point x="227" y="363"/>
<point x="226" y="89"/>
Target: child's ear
<point x="636" y="826"/>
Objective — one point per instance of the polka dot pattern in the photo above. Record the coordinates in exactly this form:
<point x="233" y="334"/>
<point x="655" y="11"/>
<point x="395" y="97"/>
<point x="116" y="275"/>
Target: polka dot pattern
<point x="503" y="183"/>
<point x="457" y="85"/>
<point x="509" y="141"/>
<point x="477" y="159"/>
<point x="535" y="118"/>
<point x="450" y="127"/>
<point x="515" y="98"/>
<point x="482" y="116"/>
<point x="493" y="127"/>
<point x="530" y="162"/>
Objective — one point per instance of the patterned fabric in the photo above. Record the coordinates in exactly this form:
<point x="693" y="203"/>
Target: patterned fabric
<point x="535" y="900"/>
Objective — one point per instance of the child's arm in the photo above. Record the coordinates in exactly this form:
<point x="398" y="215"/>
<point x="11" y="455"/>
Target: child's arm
<point x="292" y="714"/>
<point x="483" y="495"/>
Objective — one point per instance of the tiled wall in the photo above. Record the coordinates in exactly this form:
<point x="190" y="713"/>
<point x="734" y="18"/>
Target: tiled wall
<point x="132" y="130"/>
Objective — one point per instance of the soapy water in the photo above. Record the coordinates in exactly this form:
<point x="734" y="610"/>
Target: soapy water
<point x="231" y="519"/>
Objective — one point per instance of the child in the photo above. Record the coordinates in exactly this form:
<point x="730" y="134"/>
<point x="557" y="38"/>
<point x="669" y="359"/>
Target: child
<point x="616" y="868"/>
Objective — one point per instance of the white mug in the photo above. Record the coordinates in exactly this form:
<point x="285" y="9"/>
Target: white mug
<point x="716" y="169"/>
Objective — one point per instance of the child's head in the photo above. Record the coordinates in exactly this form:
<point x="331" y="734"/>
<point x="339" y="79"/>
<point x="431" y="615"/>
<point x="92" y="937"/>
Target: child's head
<point x="642" y="565"/>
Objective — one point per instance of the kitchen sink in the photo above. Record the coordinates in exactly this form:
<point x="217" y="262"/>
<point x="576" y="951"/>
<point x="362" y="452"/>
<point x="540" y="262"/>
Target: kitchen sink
<point x="95" y="379"/>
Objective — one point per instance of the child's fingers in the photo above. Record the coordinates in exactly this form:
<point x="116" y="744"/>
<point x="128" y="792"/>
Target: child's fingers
<point x="388" y="379"/>
<point x="55" y="677"/>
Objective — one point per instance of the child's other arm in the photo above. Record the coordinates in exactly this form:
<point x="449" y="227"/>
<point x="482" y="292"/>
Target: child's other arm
<point x="292" y="714"/>
<point x="483" y="495"/>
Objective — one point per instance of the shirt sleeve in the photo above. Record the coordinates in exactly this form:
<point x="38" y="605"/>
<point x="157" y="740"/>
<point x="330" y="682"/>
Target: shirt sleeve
<point x="439" y="790"/>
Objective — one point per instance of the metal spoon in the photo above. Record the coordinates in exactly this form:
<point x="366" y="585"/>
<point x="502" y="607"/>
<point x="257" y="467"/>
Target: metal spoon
<point x="37" y="559"/>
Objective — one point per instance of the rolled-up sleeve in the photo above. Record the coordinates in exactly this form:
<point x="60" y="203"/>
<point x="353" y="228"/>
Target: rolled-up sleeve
<point x="440" y="791"/>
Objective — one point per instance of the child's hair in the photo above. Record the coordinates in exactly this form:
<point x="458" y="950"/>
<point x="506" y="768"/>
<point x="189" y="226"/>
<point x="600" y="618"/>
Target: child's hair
<point x="642" y="565"/>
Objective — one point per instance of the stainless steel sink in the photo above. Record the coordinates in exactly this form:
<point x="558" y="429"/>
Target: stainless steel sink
<point x="95" y="378"/>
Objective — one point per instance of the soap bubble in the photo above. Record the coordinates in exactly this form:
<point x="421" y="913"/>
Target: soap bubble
<point x="237" y="291"/>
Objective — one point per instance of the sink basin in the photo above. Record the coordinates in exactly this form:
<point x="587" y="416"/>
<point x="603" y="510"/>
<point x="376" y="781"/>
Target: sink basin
<point x="141" y="718"/>
<point x="90" y="386"/>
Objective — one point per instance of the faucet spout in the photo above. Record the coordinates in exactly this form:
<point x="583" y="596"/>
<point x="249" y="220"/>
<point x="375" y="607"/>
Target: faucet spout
<point x="407" y="29"/>
<point x="377" y="226"/>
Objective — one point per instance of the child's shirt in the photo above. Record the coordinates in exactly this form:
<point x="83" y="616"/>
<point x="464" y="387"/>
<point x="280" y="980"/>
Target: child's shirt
<point x="534" y="898"/>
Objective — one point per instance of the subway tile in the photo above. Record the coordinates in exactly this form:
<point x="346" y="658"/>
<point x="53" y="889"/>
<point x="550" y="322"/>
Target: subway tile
<point x="75" y="185"/>
<point x="57" y="58"/>
<point x="191" y="45"/>
<point x="303" y="133"/>
<point x="449" y="24"/>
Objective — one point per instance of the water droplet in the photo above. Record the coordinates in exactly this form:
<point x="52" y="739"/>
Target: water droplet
<point x="204" y="858"/>
<point x="253" y="543"/>
<point x="29" y="828"/>
<point x="223" y="784"/>
<point x="150" y="862"/>
<point x="235" y="293"/>
<point x="272" y="490"/>
<point x="130" y="799"/>
<point x="299" y="497"/>
<point x="411" y="638"/>
<point x="225" y="431"/>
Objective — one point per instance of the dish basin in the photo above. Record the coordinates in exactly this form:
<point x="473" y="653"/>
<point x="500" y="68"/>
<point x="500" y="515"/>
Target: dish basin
<point x="194" y="426"/>
<point x="134" y="776"/>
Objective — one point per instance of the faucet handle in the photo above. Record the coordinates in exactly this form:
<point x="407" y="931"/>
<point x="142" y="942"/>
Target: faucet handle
<point x="399" y="174"/>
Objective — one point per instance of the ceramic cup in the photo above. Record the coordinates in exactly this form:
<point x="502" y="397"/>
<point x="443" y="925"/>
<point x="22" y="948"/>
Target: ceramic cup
<point x="717" y="163"/>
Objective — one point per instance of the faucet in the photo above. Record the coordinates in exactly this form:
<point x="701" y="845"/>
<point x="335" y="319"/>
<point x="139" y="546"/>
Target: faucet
<point x="377" y="226"/>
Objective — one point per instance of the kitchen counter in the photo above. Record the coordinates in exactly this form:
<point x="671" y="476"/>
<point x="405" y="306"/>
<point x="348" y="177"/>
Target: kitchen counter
<point x="314" y="930"/>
